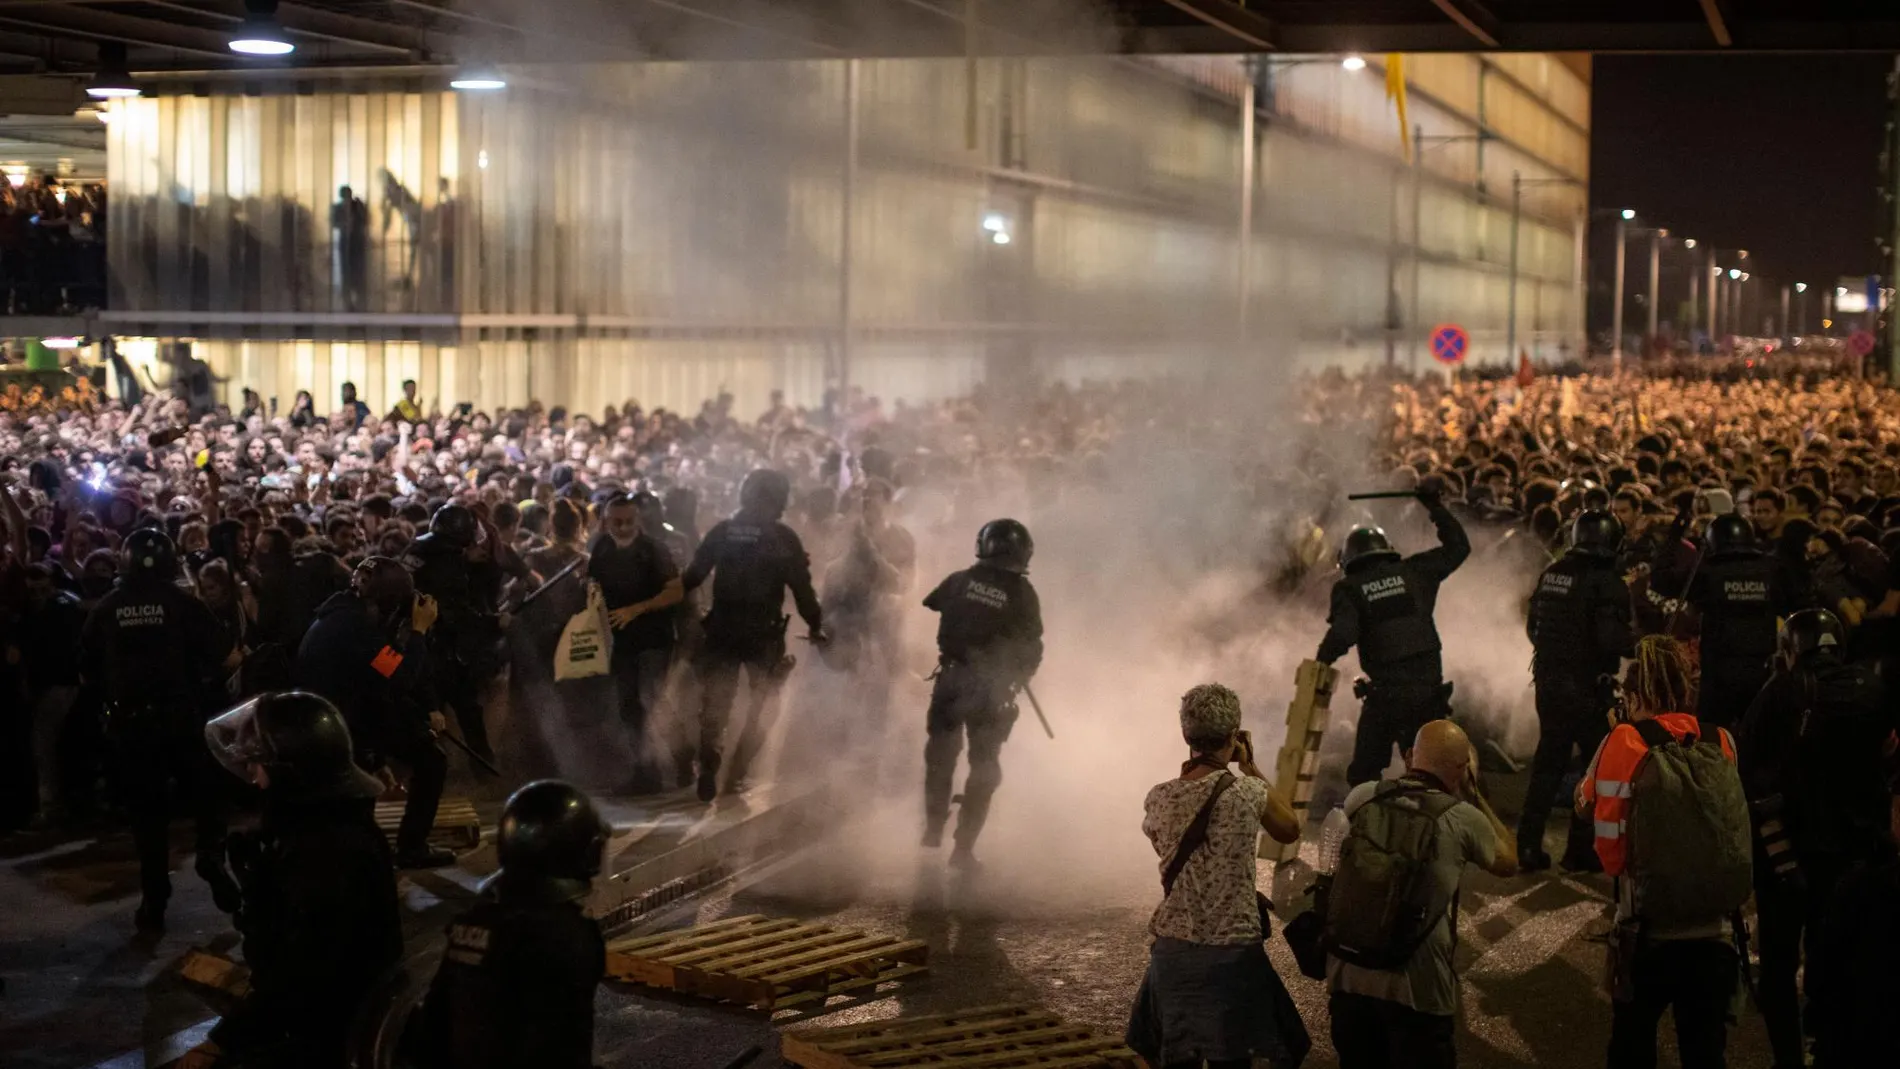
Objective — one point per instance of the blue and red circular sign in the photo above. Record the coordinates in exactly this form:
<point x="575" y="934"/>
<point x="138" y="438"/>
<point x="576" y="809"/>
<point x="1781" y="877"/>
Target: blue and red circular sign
<point x="1449" y="343"/>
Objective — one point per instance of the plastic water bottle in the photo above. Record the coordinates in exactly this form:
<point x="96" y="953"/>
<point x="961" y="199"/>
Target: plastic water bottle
<point x="1332" y="836"/>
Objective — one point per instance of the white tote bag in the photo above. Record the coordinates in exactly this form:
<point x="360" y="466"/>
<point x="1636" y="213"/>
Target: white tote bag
<point x="586" y="642"/>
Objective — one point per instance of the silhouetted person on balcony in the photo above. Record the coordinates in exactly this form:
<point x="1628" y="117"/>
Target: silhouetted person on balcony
<point x="349" y="230"/>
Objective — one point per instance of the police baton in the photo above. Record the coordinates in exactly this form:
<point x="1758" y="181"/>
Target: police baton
<point x="1037" y="706"/>
<point x="543" y="588"/>
<point x="470" y="751"/>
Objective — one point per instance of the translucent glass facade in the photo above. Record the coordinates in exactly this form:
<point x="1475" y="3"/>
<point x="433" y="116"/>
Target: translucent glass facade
<point x="662" y="231"/>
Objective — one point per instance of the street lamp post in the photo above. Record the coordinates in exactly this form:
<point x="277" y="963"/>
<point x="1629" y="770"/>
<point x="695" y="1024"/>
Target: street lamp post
<point x="1616" y="314"/>
<point x="1715" y="285"/>
<point x="1695" y="308"/>
<point x="1655" y="280"/>
<point x="1518" y="182"/>
<point x="1786" y="295"/>
<point x="1420" y="144"/>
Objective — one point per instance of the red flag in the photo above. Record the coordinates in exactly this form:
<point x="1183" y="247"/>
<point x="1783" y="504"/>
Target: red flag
<point x="1525" y="376"/>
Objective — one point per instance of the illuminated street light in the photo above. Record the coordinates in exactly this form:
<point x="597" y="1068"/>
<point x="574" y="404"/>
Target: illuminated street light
<point x="1688" y="243"/>
<point x="1734" y="273"/>
<point x="1001" y="237"/>
<point x="1629" y="213"/>
<point x="1354" y="63"/>
<point x="1801" y="287"/>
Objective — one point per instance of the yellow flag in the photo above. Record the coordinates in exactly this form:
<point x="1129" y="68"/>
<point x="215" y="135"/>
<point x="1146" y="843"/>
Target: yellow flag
<point x="1395" y="92"/>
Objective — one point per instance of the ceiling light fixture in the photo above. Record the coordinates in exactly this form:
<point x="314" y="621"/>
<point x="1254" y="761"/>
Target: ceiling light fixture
<point x="478" y="80"/>
<point x="112" y="79"/>
<point x="261" y="34"/>
<point x="1354" y="63"/>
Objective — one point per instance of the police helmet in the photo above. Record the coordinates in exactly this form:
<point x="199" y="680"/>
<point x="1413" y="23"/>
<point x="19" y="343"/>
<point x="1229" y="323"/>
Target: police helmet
<point x="1805" y="632"/>
<point x="455" y="525"/>
<point x="299" y="738"/>
<point x="765" y="490"/>
<point x="1596" y="533"/>
<point x="652" y="511"/>
<point x="149" y="553"/>
<point x="550" y="830"/>
<point x="1730" y="533"/>
<point x="1005" y="544"/>
<point x="1365" y="544"/>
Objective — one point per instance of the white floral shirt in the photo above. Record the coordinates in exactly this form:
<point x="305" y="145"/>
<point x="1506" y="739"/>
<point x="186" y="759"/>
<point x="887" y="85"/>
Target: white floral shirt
<point x="1213" y="901"/>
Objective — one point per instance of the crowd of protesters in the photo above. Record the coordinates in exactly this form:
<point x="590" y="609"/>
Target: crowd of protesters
<point x="52" y="246"/>
<point x="272" y="513"/>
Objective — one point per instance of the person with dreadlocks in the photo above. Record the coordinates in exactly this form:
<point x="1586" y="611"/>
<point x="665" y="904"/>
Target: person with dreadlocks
<point x="1672" y="828"/>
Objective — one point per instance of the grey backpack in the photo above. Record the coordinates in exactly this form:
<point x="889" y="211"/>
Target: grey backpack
<point x="1386" y="896"/>
<point x="1688" y="833"/>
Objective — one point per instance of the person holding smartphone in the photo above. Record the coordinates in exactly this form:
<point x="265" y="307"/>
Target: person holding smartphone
<point x="1211" y="994"/>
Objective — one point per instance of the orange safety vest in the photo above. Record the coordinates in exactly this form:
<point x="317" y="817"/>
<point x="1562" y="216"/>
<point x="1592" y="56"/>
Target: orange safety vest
<point x="1606" y="785"/>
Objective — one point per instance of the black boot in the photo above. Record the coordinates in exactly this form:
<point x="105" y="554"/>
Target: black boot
<point x="224" y="889"/>
<point x="150" y="918"/>
<point x="1585" y="860"/>
<point x="933" y="835"/>
<point x="1532" y="859"/>
<point x="424" y="857"/>
<point x="708" y="784"/>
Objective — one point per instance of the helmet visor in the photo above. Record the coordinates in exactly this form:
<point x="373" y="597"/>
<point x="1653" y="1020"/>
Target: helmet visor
<point x="237" y="740"/>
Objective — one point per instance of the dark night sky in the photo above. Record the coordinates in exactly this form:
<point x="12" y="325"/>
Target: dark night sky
<point x="1775" y="154"/>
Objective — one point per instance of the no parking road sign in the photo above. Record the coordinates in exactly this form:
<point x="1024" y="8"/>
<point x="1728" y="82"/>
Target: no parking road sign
<point x="1449" y="342"/>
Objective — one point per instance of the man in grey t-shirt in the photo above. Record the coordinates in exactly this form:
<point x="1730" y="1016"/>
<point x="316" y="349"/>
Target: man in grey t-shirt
<point x="1406" y="1018"/>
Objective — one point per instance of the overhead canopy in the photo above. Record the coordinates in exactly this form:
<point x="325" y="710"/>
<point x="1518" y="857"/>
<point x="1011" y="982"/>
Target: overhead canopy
<point x="62" y="36"/>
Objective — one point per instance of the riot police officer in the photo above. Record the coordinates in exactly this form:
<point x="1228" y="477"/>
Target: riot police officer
<point x="1580" y="630"/>
<point x="516" y="985"/>
<point x="320" y="918"/>
<point x="1738" y="591"/>
<point x="752" y="559"/>
<point x="1383" y="604"/>
<point x="157" y="654"/>
<point x="456" y="570"/>
<point x="1811" y="761"/>
<point x="989" y="645"/>
<point x="364" y="654"/>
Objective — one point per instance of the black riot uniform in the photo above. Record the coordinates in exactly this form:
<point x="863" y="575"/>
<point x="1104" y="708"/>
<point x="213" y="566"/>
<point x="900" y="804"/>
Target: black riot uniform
<point x="989" y="645"/>
<point x="1383" y="604"/>
<point x="465" y="643"/>
<point x="1738" y="590"/>
<point x="753" y="559"/>
<point x="516" y="984"/>
<point x="1580" y="629"/>
<point x="1810" y="752"/>
<point x="157" y="654"/>
<point x="320" y="918"/>
<point x="363" y="657"/>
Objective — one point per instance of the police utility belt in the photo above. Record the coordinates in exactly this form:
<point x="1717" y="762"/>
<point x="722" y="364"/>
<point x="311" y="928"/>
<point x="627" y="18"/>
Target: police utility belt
<point x="1363" y="688"/>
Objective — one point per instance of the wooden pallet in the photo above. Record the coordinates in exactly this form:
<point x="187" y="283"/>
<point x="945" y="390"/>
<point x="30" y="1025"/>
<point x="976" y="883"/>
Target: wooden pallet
<point x="457" y="826"/>
<point x="215" y="971"/>
<point x="765" y="963"/>
<point x="992" y="1037"/>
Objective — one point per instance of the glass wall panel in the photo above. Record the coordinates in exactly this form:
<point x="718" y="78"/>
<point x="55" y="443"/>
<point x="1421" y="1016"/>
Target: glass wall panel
<point x="662" y="231"/>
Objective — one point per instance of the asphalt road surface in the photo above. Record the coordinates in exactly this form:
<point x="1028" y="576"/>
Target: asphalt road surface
<point x="1026" y="934"/>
